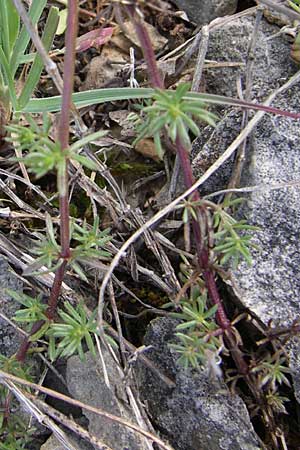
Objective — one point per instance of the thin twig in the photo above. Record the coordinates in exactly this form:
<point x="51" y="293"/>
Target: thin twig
<point x="118" y="323"/>
<point x="22" y="205"/>
<point x="6" y="377"/>
<point x="292" y="14"/>
<point x="240" y="156"/>
<point x="203" y="45"/>
<point x="34" y="410"/>
<point x="26" y="182"/>
<point x="67" y="422"/>
<point x="259" y="187"/>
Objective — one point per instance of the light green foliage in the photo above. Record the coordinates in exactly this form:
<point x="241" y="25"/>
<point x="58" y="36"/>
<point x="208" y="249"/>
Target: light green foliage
<point x="198" y="342"/>
<point x="46" y="249"/>
<point x="32" y="311"/>
<point x="228" y="234"/>
<point x="90" y="242"/>
<point x="44" y="155"/>
<point x="171" y="111"/>
<point x="272" y="372"/>
<point x="295" y="4"/>
<point x="75" y="329"/>
<point x="15" y="434"/>
<point x="33" y="308"/>
<point x="230" y="240"/>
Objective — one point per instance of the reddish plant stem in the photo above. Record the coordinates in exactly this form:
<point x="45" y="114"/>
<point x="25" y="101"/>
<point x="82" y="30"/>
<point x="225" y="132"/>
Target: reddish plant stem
<point x="21" y="353"/>
<point x="147" y="48"/>
<point x="62" y="178"/>
<point x="63" y="131"/>
<point x="202" y="251"/>
<point x="55" y="290"/>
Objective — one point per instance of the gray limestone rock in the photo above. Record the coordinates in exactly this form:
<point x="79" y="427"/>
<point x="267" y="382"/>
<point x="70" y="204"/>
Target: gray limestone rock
<point x="202" y="11"/>
<point x="9" y="337"/>
<point x="198" y="413"/>
<point x="53" y="443"/>
<point x="86" y="383"/>
<point x="272" y="67"/>
<point x="271" y="286"/>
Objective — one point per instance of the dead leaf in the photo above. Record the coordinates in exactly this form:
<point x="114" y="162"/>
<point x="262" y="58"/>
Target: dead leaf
<point x="157" y="40"/>
<point x="146" y="147"/>
<point x="121" y="118"/>
<point x="93" y="38"/>
<point x="103" y="68"/>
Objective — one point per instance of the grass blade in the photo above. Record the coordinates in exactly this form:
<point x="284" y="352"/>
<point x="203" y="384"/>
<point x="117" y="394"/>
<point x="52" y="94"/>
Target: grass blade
<point x="4" y="29"/>
<point x="22" y="42"/>
<point x="8" y="79"/>
<point x="88" y="98"/>
<point x="37" y="66"/>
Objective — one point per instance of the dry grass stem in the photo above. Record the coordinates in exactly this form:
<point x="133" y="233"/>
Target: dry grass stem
<point x="7" y="378"/>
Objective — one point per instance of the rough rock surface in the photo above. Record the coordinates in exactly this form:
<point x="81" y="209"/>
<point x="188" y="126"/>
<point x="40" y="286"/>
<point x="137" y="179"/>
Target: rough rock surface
<point x="272" y="67"/>
<point x="199" y="413"/>
<point x="53" y="444"/>
<point x="203" y="11"/>
<point x="86" y="383"/>
<point x="9" y="337"/>
<point x="271" y="287"/>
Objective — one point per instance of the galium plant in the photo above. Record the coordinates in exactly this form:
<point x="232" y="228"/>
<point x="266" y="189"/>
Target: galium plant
<point x="227" y="237"/>
<point x="43" y="155"/>
<point x="170" y="111"/>
<point x="74" y="331"/>
<point x="90" y="246"/>
<point x="231" y="246"/>
<point x="230" y="238"/>
<point x="33" y="309"/>
<point x="198" y="332"/>
<point x="272" y="371"/>
<point x="228" y="241"/>
<point x="75" y="328"/>
<point x="65" y="337"/>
